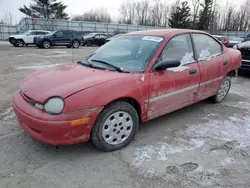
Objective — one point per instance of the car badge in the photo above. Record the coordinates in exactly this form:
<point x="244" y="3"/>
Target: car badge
<point x="25" y="90"/>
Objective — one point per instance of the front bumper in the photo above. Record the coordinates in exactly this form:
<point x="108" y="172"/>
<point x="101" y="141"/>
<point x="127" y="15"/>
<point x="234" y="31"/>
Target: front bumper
<point x="11" y="40"/>
<point x="53" y="131"/>
<point x="245" y="66"/>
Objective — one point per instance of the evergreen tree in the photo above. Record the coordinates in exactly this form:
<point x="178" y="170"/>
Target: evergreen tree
<point x="180" y="18"/>
<point x="205" y="15"/>
<point x="50" y="9"/>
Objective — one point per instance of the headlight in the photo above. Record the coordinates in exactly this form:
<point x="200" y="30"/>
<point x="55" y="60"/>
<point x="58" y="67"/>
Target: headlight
<point x="235" y="46"/>
<point x="54" y="106"/>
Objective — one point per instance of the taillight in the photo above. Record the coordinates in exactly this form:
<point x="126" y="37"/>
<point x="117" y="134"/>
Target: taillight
<point x="82" y="37"/>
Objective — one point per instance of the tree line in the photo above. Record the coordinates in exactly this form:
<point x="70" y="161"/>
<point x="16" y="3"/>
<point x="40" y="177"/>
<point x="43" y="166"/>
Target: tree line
<point x="192" y="14"/>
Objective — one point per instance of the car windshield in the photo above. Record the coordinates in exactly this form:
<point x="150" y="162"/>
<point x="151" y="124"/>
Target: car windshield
<point x="130" y="53"/>
<point x="52" y="33"/>
<point x="28" y="32"/>
<point x="236" y="39"/>
<point x="91" y="34"/>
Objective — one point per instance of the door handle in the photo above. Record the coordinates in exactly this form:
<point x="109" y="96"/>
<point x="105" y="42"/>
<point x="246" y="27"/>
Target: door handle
<point x="192" y="72"/>
<point x="225" y="63"/>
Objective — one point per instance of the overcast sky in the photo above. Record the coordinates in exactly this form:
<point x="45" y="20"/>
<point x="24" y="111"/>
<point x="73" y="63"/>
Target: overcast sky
<point x="77" y="6"/>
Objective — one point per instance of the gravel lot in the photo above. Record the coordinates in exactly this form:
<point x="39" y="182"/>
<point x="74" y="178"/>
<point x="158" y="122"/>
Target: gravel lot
<point x="204" y="145"/>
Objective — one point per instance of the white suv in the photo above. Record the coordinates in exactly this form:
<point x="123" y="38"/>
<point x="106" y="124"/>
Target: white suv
<point x="27" y="38"/>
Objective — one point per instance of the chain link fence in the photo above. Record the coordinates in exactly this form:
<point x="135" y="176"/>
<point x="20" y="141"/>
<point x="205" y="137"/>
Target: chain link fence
<point x="6" y="31"/>
<point x="82" y="26"/>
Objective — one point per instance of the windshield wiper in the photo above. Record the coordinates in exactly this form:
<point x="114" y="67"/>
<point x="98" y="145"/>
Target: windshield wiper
<point x="87" y="63"/>
<point x="109" y="64"/>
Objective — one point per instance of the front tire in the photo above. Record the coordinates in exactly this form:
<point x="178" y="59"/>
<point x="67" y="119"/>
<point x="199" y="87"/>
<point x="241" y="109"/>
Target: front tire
<point x="223" y="91"/>
<point x="115" y="127"/>
<point x="46" y="44"/>
<point x="19" y="43"/>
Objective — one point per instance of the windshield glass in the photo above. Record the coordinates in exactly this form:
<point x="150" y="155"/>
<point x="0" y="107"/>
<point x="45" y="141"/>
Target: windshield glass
<point x="52" y="33"/>
<point x="236" y="39"/>
<point x="130" y="53"/>
<point x="91" y="34"/>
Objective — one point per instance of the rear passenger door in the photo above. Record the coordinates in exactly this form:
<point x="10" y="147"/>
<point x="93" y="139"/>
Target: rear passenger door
<point x="212" y="63"/>
<point x="67" y="37"/>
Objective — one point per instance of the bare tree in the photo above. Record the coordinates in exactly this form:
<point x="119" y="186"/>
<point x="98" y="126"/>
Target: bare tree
<point x="8" y="18"/>
<point x="157" y="12"/>
<point x="94" y="15"/>
<point x="127" y="11"/>
<point x="196" y="6"/>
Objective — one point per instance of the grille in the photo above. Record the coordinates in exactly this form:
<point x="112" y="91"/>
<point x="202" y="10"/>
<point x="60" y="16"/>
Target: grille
<point x="245" y="53"/>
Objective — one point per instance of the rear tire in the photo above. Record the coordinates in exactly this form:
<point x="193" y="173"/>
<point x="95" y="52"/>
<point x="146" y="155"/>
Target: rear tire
<point x="223" y="90"/>
<point x="115" y="127"/>
<point x="76" y="44"/>
<point x="89" y="43"/>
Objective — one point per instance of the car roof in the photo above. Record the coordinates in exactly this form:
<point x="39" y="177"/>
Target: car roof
<point x="164" y="32"/>
<point x="40" y="30"/>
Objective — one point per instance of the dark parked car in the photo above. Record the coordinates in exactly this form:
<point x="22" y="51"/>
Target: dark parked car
<point x="94" y="39"/>
<point x="245" y="51"/>
<point x="247" y="38"/>
<point x="234" y="40"/>
<point x="111" y="38"/>
<point x="67" y="38"/>
<point x="222" y="39"/>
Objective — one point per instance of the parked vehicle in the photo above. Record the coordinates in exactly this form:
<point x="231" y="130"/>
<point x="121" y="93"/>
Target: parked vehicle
<point x="244" y="48"/>
<point x="247" y="38"/>
<point x="223" y="39"/>
<point x="113" y="37"/>
<point x="27" y="38"/>
<point x="94" y="39"/>
<point x="67" y="38"/>
<point x="135" y="78"/>
<point x="234" y="40"/>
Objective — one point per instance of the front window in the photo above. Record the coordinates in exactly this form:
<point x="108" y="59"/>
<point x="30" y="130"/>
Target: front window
<point x="131" y="53"/>
<point x="179" y="48"/>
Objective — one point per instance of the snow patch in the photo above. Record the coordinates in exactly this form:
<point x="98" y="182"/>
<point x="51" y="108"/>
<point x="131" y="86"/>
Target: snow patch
<point x="227" y="160"/>
<point x="178" y="69"/>
<point x="7" y="111"/>
<point x="161" y="151"/>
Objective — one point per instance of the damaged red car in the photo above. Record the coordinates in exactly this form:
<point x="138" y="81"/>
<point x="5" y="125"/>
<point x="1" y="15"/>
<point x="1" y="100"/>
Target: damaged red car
<point x="131" y="79"/>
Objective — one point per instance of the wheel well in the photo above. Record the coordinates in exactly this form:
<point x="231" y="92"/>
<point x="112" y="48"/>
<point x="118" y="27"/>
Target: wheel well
<point x="46" y="40"/>
<point x="21" y="40"/>
<point x="132" y="102"/>
<point x="232" y="73"/>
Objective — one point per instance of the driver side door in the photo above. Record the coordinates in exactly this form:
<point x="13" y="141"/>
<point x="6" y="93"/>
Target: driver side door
<point x="174" y="88"/>
<point x="57" y="38"/>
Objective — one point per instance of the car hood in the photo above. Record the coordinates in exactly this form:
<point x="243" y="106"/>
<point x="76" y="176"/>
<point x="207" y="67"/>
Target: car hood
<point x="15" y="35"/>
<point x="244" y="45"/>
<point x="64" y="81"/>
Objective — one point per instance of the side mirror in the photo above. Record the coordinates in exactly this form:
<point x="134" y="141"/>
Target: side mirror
<point x="163" y="65"/>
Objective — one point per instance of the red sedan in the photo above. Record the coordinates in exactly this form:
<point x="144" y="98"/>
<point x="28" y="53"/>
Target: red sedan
<point x="131" y="79"/>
